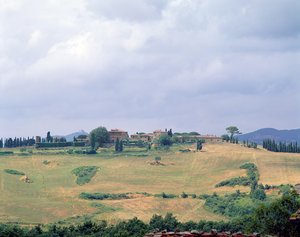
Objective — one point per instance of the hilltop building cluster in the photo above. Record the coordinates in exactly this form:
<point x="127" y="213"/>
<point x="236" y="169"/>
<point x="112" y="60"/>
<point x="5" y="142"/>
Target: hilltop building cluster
<point x="121" y="135"/>
<point x="150" y="137"/>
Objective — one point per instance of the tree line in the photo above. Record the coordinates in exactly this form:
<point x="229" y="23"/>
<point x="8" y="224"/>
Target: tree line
<point x="271" y="145"/>
<point x="16" y="142"/>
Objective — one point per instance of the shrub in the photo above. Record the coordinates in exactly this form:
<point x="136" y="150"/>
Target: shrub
<point x="4" y="153"/>
<point x="15" y="172"/>
<point x="157" y="158"/>
<point x="103" y="196"/>
<point x="184" y="195"/>
<point x="165" y="195"/>
<point x="165" y="140"/>
<point x="193" y="195"/>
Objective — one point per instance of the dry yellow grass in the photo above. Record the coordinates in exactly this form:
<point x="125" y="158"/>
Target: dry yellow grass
<point x="53" y="195"/>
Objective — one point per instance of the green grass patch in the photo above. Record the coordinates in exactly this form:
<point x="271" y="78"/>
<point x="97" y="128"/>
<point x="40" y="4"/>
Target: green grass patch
<point x="14" y="172"/>
<point x="84" y="174"/>
<point x="103" y="208"/>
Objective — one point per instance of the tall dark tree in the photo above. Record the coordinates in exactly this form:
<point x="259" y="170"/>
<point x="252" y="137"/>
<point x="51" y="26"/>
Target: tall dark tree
<point x="49" y="138"/>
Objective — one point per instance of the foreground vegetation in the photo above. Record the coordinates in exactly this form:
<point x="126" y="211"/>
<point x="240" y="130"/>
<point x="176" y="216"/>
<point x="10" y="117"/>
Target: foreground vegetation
<point x="266" y="219"/>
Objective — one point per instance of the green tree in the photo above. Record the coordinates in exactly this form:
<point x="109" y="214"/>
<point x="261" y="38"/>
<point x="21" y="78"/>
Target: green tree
<point x="199" y="145"/>
<point x="232" y="130"/>
<point x="49" y="138"/>
<point x="117" y="145"/>
<point x="165" y="140"/>
<point x="98" y="137"/>
<point x="225" y="137"/>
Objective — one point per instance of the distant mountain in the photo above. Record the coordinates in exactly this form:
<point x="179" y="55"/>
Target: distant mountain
<point x="70" y="137"/>
<point x="258" y="136"/>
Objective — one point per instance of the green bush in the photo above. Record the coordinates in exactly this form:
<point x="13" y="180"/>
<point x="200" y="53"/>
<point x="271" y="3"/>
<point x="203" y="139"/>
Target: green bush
<point x="184" y="195"/>
<point x="250" y="180"/>
<point x="84" y="174"/>
<point x="193" y="195"/>
<point x="15" y="172"/>
<point x="53" y="144"/>
<point x="4" y="153"/>
<point x="165" y="195"/>
<point x="103" y="196"/>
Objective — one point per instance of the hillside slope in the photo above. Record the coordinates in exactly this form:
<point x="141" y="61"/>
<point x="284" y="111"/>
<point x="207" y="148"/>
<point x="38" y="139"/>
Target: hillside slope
<point x="258" y="136"/>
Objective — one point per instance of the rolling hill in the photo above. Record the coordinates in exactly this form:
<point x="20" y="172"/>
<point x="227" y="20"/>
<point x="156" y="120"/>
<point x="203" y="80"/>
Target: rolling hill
<point x="258" y="136"/>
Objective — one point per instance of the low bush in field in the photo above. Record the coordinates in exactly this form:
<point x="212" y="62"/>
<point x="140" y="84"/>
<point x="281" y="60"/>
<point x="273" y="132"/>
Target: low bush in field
<point x="15" y="172"/>
<point x="4" y="153"/>
<point x="165" y="195"/>
<point x="103" y="196"/>
<point x="244" y="181"/>
<point x="84" y="174"/>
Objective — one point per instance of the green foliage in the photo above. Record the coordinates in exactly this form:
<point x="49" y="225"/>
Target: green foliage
<point x="232" y="205"/>
<point x="84" y="174"/>
<point x="53" y="144"/>
<point x="103" y="196"/>
<point x="199" y="145"/>
<point x="165" y="195"/>
<point x="165" y="140"/>
<point x="258" y="194"/>
<point x="45" y="162"/>
<point x="15" y="172"/>
<point x="157" y="158"/>
<point x="250" y="180"/>
<point x="232" y="130"/>
<point x="225" y="137"/>
<point x="118" y="145"/>
<point x="5" y="153"/>
<point x="169" y="222"/>
<point x="243" y="181"/>
<point x="273" y="218"/>
<point x="268" y="219"/>
<point x="98" y="137"/>
<point x="184" y="195"/>
<point x="193" y="195"/>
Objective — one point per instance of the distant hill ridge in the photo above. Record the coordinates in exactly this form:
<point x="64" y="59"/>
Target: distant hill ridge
<point x="292" y="135"/>
<point x="70" y="137"/>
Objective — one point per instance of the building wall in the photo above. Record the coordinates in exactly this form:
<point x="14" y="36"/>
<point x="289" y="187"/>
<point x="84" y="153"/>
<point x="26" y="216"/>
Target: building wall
<point x="115" y="134"/>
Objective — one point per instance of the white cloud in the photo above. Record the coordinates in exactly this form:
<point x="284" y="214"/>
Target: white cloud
<point x="195" y="65"/>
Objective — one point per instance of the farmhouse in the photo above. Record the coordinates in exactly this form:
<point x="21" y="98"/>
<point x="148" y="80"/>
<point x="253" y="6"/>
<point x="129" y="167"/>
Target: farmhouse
<point x="194" y="138"/>
<point x="158" y="133"/>
<point x="146" y="137"/>
<point x="211" y="139"/>
<point x="115" y="134"/>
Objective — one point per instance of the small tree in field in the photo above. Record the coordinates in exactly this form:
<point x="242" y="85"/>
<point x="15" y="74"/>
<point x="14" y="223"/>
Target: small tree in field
<point x="199" y="145"/>
<point x="157" y="158"/>
<point x="165" y="140"/>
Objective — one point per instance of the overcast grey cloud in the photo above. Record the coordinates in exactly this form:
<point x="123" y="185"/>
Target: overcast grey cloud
<point x="147" y="64"/>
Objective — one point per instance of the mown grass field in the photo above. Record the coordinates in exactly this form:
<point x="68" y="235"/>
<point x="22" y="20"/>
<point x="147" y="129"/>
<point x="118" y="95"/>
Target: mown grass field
<point x="53" y="194"/>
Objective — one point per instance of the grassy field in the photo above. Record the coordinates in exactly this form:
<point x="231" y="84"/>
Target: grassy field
<point x="53" y="193"/>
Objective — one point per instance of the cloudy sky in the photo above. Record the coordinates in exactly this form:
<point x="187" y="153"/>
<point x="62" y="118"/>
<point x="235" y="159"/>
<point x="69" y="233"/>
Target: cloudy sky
<point x="190" y="65"/>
